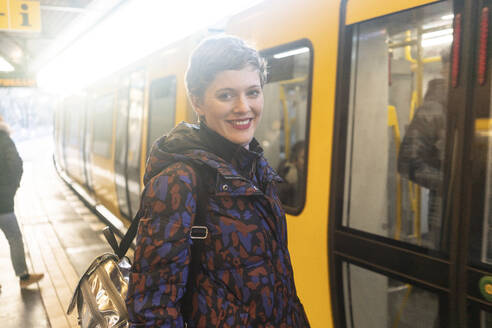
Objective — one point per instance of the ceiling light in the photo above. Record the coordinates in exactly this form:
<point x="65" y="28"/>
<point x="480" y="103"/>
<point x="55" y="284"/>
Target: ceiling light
<point x="114" y="43"/>
<point x="291" y="52"/>
<point x="446" y="39"/>
<point x="435" y="34"/>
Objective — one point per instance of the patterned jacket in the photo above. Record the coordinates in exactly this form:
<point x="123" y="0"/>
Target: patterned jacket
<point x="245" y="276"/>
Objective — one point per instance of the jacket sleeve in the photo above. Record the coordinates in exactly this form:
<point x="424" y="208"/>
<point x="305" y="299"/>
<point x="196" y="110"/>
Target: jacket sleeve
<point x="13" y="164"/>
<point x="422" y="148"/>
<point x="161" y="265"/>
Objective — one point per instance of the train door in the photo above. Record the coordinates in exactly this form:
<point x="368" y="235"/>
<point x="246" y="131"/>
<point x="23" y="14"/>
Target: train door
<point x="476" y="255"/>
<point x="128" y="142"/>
<point x="411" y="158"/>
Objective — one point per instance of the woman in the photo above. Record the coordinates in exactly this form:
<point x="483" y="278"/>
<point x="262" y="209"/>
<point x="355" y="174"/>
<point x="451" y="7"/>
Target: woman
<point x="10" y="177"/>
<point x="243" y="276"/>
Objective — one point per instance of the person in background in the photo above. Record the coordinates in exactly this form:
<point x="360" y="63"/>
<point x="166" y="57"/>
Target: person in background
<point x="421" y="153"/>
<point x="244" y="276"/>
<point x="10" y="176"/>
<point x="292" y="171"/>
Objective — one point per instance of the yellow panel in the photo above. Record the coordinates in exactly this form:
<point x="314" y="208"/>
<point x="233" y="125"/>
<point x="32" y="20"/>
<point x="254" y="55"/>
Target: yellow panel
<point x="4" y="15"/>
<point x="25" y="15"/>
<point x="361" y="10"/>
<point x="483" y="124"/>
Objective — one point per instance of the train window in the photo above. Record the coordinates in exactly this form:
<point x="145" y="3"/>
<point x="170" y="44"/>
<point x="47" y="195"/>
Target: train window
<point x="73" y="128"/>
<point x="397" y="125"/>
<point x="75" y="111"/>
<point x="283" y="130"/>
<point x="103" y="126"/>
<point x="66" y="125"/>
<point x="374" y="300"/>
<point x="162" y="105"/>
<point x="485" y="319"/>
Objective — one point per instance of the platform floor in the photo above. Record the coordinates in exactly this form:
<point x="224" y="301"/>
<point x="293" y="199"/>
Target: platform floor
<point x="61" y="237"/>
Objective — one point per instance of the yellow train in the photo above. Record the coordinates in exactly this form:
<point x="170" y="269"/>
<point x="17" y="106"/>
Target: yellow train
<point x="351" y="84"/>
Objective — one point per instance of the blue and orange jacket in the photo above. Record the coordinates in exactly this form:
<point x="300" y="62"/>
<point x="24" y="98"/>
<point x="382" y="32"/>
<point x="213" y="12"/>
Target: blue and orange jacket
<point x="245" y="276"/>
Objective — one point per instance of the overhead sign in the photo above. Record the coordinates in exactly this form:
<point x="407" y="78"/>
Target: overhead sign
<point x="17" y="82"/>
<point x="20" y="15"/>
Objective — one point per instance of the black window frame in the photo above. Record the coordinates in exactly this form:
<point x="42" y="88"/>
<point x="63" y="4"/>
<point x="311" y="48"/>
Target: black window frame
<point x="295" y="211"/>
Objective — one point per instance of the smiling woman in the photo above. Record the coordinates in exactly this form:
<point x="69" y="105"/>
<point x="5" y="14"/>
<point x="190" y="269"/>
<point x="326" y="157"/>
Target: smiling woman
<point x="213" y="177"/>
<point x="233" y="104"/>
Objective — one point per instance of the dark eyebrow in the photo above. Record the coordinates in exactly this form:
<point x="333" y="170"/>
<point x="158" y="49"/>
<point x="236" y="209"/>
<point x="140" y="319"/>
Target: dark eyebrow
<point x="225" y="89"/>
<point x="254" y="86"/>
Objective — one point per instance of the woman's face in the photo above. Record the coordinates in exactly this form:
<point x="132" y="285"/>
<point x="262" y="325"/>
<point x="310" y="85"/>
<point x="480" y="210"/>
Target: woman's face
<point x="232" y="104"/>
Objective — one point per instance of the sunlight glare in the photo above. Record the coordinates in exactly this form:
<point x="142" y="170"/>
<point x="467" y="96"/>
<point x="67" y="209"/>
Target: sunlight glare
<point x="137" y="29"/>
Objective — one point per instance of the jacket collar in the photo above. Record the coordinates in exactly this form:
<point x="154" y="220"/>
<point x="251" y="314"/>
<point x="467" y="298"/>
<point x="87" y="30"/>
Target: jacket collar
<point x="242" y="159"/>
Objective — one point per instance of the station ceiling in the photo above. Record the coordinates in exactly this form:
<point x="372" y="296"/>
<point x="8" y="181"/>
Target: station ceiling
<point x="62" y="22"/>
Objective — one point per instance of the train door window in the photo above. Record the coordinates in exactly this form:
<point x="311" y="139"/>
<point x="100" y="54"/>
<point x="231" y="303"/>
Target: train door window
<point x="88" y="142"/>
<point x="65" y="133"/>
<point x="478" y="317"/>
<point x="485" y="319"/>
<point x="102" y="127"/>
<point x="283" y="130"/>
<point x="397" y="125"/>
<point x="75" y="108"/>
<point x="135" y="116"/>
<point x="162" y="107"/>
<point x="375" y="300"/>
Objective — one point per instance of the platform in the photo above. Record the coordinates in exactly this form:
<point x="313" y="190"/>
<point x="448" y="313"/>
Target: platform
<point x="61" y="237"/>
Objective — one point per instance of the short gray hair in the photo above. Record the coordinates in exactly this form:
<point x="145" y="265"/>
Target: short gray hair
<point x="216" y="54"/>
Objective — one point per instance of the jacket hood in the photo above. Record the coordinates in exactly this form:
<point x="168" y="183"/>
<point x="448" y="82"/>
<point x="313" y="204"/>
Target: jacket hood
<point x="171" y="148"/>
<point x="437" y="91"/>
<point x="190" y="142"/>
<point x="4" y="127"/>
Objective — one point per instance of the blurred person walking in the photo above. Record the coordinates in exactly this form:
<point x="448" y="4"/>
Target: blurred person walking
<point x="10" y="176"/>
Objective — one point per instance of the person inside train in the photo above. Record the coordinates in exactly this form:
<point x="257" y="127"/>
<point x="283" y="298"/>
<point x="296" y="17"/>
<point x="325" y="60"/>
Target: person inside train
<point x="422" y="150"/>
<point x="209" y="186"/>
<point x="292" y="172"/>
<point x="10" y="176"/>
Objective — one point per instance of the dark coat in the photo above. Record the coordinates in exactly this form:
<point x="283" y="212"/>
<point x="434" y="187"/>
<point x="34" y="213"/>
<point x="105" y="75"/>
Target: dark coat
<point x="422" y="151"/>
<point x="245" y="276"/>
<point x="10" y="170"/>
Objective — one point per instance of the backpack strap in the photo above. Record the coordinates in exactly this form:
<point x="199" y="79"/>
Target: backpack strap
<point x="199" y="230"/>
<point x="198" y="233"/>
<point x="130" y="233"/>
